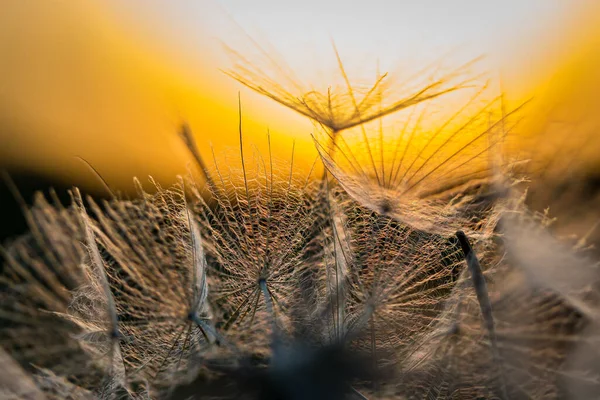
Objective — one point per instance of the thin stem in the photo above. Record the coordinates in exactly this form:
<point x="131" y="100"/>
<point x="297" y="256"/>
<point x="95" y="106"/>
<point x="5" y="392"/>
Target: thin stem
<point x="484" y="301"/>
<point x="99" y="176"/>
<point x="268" y="302"/>
<point x="242" y="147"/>
<point x="188" y="138"/>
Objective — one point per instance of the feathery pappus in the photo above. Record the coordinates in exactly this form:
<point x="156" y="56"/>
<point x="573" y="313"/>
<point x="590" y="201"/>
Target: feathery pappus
<point x="393" y="276"/>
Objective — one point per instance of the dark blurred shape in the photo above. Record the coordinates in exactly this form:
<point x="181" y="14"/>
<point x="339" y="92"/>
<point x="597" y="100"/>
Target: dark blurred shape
<point x="303" y="373"/>
<point x="12" y="222"/>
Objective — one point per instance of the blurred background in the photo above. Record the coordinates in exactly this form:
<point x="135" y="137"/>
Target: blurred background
<point x="111" y="81"/>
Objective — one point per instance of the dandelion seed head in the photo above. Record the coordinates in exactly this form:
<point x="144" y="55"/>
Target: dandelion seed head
<point x="257" y="234"/>
<point x="277" y="286"/>
<point x="344" y="106"/>
<point x="434" y="179"/>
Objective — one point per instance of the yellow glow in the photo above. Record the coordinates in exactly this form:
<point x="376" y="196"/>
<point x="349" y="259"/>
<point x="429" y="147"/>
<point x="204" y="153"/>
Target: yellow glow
<point x="562" y="126"/>
<point x="74" y="84"/>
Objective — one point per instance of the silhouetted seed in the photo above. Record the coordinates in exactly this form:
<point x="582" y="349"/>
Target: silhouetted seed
<point x="484" y="302"/>
<point x="347" y="109"/>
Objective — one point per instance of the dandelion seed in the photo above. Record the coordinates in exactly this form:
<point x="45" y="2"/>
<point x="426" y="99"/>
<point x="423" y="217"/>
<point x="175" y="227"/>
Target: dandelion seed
<point x="40" y="273"/>
<point x="433" y="187"/>
<point x="346" y="107"/>
<point x="142" y="276"/>
<point x="535" y="331"/>
<point x="338" y="111"/>
<point x="158" y="271"/>
<point x="257" y="238"/>
<point x="99" y="291"/>
<point x="396" y="282"/>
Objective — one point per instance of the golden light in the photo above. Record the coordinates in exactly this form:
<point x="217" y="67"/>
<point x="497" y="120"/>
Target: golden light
<point x="75" y="86"/>
<point x="78" y="84"/>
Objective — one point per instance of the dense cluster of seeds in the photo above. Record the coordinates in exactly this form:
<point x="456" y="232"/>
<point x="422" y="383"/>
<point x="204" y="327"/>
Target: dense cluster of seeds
<point x="405" y="276"/>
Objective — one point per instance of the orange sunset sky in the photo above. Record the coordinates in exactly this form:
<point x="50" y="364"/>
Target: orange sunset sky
<point x="111" y="81"/>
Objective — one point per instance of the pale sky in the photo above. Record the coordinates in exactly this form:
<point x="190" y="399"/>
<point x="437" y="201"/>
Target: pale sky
<point x="136" y="68"/>
<point x="385" y="30"/>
